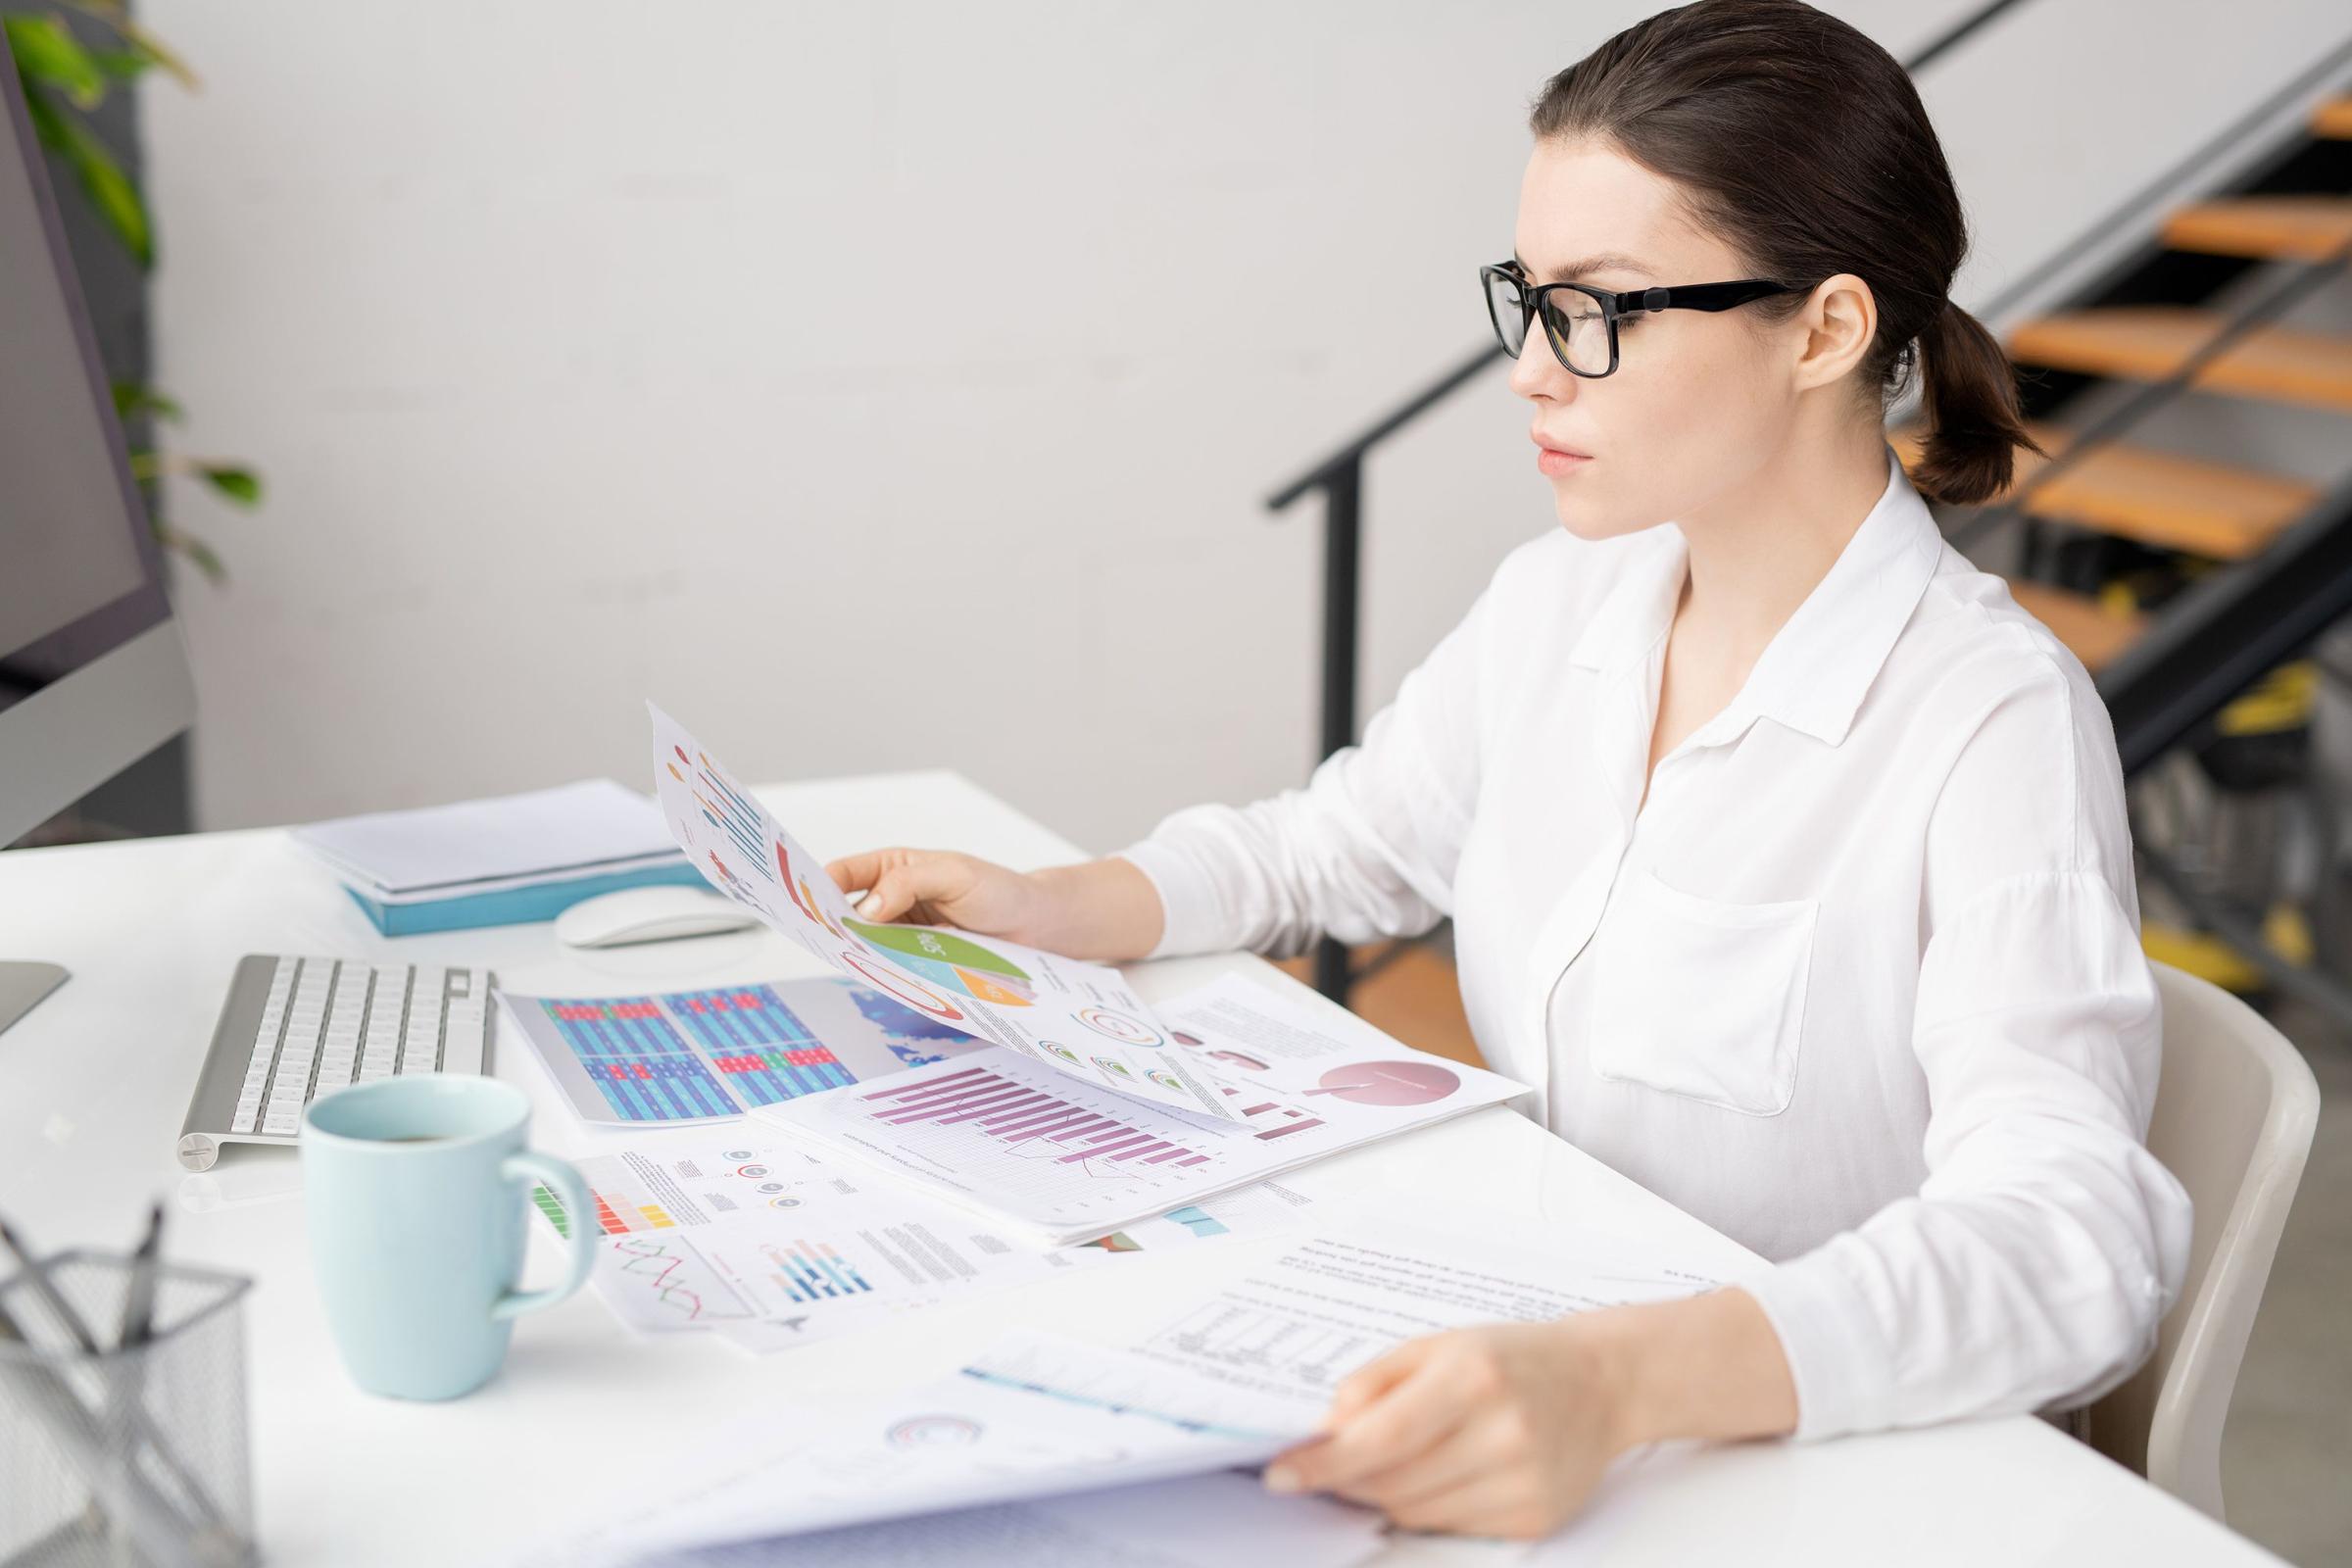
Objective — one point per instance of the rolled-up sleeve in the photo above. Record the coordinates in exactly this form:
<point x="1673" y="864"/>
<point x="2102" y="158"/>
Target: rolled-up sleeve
<point x="1367" y="848"/>
<point x="2030" y="1269"/>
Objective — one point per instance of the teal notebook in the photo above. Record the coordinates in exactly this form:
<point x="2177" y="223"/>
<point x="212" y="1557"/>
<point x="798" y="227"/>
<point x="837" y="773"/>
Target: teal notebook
<point x="542" y="900"/>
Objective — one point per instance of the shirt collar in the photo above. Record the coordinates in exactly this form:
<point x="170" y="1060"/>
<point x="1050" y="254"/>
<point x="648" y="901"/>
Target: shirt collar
<point x="1814" y="671"/>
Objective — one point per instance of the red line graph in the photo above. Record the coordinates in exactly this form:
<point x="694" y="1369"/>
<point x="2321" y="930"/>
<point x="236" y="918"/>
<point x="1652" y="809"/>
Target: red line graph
<point x="656" y="1265"/>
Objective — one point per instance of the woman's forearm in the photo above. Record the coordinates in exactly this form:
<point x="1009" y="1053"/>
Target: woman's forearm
<point x="1105" y="911"/>
<point x="1707" y="1367"/>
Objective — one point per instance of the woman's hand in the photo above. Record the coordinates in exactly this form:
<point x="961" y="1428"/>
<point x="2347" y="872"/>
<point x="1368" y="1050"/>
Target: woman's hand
<point x="1493" y="1431"/>
<point x="938" y="886"/>
<point x="1104" y="910"/>
<point x="1504" y="1429"/>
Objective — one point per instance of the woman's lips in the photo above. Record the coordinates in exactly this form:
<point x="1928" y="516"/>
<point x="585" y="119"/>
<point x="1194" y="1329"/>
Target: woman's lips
<point x="1553" y="463"/>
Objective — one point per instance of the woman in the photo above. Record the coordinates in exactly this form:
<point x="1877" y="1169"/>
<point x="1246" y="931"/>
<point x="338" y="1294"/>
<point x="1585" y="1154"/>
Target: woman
<point x="1785" y="853"/>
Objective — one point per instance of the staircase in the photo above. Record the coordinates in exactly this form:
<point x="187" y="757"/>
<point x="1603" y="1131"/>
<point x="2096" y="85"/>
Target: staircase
<point x="2183" y="515"/>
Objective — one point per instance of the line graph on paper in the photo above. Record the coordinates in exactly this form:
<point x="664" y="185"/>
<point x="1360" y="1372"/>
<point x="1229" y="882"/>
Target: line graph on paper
<point x="675" y="1278"/>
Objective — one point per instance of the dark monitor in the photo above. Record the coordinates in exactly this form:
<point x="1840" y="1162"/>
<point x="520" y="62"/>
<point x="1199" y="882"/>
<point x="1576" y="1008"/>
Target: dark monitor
<point x="92" y="674"/>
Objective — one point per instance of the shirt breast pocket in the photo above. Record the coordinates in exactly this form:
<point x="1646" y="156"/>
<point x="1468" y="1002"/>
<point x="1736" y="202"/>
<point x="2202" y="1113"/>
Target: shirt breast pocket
<point x="1703" y="998"/>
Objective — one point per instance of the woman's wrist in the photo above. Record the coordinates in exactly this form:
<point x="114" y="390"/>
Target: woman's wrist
<point x="1106" y="910"/>
<point x="1705" y="1366"/>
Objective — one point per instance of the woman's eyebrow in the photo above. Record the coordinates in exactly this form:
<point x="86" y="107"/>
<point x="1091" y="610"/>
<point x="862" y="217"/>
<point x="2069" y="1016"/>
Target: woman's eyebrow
<point x="1605" y="262"/>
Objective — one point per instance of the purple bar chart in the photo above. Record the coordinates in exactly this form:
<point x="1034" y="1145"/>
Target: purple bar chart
<point x="1019" y="1115"/>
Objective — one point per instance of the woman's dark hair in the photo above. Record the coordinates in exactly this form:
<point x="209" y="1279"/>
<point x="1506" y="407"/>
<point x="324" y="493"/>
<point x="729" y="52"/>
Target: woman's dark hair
<point x="1805" y="146"/>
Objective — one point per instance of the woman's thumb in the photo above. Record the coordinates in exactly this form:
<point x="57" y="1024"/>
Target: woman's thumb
<point x="885" y="899"/>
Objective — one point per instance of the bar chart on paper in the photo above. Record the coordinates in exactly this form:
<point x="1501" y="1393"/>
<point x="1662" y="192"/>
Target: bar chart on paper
<point x="1022" y="1139"/>
<point x="1030" y="1123"/>
<point x="734" y="1272"/>
<point x="814" y="1271"/>
<point x="711" y="1053"/>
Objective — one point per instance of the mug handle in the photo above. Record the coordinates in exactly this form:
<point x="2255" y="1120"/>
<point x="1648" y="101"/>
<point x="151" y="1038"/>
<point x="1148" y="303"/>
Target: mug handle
<point x="529" y="1162"/>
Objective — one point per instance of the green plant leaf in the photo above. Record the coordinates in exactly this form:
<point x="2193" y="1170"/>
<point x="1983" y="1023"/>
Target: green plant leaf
<point x="49" y="53"/>
<point x="239" y="484"/>
<point x="144" y="45"/>
<point x="199" y="554"/>
<point x="122" y="65"/>
<point x="110" y="190"/>
<point x="133" y="398"/>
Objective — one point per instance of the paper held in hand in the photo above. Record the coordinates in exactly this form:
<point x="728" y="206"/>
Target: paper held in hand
<point x="1079" y="1019"/>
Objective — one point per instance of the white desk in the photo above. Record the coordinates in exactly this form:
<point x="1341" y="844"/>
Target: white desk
<point x="94" y="1082"/>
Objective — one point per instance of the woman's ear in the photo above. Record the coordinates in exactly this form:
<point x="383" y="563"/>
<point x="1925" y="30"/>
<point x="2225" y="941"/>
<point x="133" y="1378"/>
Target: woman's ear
<point x="1841" y="319"/>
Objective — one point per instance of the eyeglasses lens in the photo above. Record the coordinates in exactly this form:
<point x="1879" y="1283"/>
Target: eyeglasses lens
<point x="1578" y="330"/>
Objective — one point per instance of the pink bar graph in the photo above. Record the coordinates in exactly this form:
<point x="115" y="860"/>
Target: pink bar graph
<point x="1016" y="1113"/>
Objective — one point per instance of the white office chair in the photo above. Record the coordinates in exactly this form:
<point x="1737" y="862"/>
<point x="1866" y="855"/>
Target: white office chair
<point x="2235" y="1111"/>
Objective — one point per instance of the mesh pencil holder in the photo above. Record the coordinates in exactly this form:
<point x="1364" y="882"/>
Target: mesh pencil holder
<point x="136" y="1458"/>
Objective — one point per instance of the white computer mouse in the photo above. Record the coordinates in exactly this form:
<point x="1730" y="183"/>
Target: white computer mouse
<point x="648" y="915"/>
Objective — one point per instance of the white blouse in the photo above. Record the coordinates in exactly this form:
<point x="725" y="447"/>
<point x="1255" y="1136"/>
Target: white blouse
<point x="1860" y="984"/>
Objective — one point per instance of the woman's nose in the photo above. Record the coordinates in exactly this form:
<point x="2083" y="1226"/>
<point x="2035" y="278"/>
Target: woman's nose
<point x="1538" y="371"/>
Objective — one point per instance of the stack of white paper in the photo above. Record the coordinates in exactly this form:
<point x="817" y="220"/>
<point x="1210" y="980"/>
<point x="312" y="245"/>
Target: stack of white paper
<point x="595" y="827"/>
<point x="1230" y="1377"/>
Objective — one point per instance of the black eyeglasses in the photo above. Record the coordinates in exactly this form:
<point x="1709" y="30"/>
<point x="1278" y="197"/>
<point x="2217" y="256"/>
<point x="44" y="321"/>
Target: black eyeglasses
<point x="1582" y="322"/>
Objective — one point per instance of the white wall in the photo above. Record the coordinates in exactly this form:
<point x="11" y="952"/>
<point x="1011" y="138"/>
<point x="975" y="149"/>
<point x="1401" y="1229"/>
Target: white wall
<point x="898" y="384"/>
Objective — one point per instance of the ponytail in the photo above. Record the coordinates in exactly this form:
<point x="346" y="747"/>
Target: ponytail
<point x="1973" y="424"/>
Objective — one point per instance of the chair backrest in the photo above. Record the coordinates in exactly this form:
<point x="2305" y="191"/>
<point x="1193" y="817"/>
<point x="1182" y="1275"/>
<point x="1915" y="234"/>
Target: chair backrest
<point x="2236" y="1106"/>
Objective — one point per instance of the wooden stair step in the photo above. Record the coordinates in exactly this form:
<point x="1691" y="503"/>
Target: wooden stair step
<point x="2147" y="342"/>
<point x="2334" y="120"/>
<point x="2288" y="227"/>
<point x="2094" y="633"/>
<point x="2156" y="498"/>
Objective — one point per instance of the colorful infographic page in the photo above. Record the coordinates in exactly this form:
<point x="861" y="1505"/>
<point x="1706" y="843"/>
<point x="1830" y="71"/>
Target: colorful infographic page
<point x="713" y="1053"/>
<point x="713" y="1233"/>
<point x="994" y="1132"/>
<point x="1078" y="1019"/>
<point x="771" y="1247"/>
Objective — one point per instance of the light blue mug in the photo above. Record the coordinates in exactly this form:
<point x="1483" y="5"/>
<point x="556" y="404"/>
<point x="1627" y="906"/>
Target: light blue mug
<point x="416" y="1188"/>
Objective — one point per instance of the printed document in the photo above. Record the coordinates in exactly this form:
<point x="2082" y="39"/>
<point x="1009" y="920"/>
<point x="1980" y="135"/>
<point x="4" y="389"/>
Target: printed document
<point x="773" y="1247"/>
<point x="1207" y="1521"/>
<point x="1078" y="1019"/>
<point x="997" y="1132"/>
<point x="1229" y="1378"/>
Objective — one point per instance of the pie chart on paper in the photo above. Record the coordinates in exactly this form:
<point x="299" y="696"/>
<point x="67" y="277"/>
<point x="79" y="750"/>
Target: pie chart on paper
<point x="1390" y="1083"/>
<point x="952" y="962"/>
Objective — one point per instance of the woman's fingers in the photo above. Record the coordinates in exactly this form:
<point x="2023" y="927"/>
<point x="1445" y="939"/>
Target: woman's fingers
<point x="1355" y="1390"/>
<point x="892" y="896"/>
<point x="1370" y="1380"/>
<point x="1395" y="1426"/>
<point x="892" y="881"/>
<point x="1464" y="1454"/>
<point x="1505" y="1505"/>
<point x="854" y="873"/>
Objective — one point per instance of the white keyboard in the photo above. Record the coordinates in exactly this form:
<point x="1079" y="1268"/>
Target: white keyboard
<point x="295" y="1028"/>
